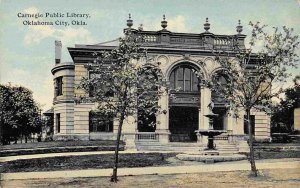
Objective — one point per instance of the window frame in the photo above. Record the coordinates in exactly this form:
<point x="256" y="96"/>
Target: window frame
<point x="96" y="121"/>
<point x="59" y="86"/>
<point x="57" y="122"/>
<point x="174" y="80"/>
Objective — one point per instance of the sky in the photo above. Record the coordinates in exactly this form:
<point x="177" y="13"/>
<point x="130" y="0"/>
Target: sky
<point x="27" y="52"/>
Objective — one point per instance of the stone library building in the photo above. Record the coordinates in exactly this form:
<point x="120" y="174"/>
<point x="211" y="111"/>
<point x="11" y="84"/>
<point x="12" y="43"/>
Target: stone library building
<point x="180" y="55"/>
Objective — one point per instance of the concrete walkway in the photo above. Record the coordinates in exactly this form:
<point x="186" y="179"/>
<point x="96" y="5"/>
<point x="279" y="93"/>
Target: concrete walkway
<point x="198" y="168"/>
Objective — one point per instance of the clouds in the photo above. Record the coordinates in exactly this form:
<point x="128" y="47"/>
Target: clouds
<point x="68" y="35"/>
<point x="30" y="62"/>
<point x="40" y="82"/>
<point x="31" y="10"/>
<point x="175" y="24"/>
<point x="32" y="72"/>
<point x="29" y="50"/>
<point x="36" y="34"/>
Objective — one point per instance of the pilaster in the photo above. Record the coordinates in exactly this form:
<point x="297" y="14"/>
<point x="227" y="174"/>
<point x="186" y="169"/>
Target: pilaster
<point x="230" y="121"/>
<point x="129" y="131"/>
<point x="162" y="122"/>
<point x="238" y="129"/>
<point x="205" y="98"/>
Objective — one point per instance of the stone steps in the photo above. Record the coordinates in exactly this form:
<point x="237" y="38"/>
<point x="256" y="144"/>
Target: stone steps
<point x="183" y="147"/>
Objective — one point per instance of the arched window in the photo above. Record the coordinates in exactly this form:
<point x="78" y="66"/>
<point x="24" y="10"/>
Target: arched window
<point x="184" y="79"/>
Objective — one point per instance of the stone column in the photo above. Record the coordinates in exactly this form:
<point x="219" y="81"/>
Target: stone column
<point x="238" y="126"/>
<point x="229" y="122"/>
<point x="129" y="132"/>
<point x="162" y="122"/>
<point x="205" y="98"/>
<point x="238" y="129"/>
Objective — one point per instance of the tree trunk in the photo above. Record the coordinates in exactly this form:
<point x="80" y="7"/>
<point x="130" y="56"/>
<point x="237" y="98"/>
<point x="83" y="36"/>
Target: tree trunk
<point x="251" y="158"/>
<point x="114" y="177"/>
<point x="1" y="133"/>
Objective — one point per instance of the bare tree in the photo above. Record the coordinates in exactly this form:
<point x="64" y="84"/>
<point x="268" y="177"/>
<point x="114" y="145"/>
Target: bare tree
<point x="256" y="74"/>
<point x="124" y="83"/>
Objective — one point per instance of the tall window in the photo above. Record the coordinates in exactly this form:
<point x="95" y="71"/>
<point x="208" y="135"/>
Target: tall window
<point x="184" y="78"/>
<point x="58" y="86"/>
<point x="100" y="123"/>
<point x="57" y="123"/>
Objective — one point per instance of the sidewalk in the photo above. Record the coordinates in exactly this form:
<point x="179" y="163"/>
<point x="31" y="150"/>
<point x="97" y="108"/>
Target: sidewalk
<point x="217" y="167"/>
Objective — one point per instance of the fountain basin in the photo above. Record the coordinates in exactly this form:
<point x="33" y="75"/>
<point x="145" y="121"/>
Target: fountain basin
<point x="210" y="133"/>
<point x="210" y="158"/>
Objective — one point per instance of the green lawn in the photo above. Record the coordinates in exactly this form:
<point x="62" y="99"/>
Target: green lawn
<point x="102" y="161"/>
<point x="85" y="162"/>
<point x="58" y="146"/>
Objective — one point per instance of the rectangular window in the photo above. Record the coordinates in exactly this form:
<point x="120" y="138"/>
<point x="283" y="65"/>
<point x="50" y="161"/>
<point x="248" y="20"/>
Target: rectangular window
<point x="57" y="123"/>
<point x="100" y="123"/>
<point x="58" y="87"/>
<point x="252" y="121"/>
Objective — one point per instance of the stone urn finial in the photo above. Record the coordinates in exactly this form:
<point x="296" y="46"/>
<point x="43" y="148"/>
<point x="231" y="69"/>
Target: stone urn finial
<point x="239" y="28"/>
<point x="207" y="25"/>
<point x="129" y="21"/>
<point x="164" y="23"/>
<point x="141" y="27"/>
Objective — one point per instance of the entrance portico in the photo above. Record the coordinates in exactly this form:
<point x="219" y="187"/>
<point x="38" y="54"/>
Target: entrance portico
<point x="184" y="106"/>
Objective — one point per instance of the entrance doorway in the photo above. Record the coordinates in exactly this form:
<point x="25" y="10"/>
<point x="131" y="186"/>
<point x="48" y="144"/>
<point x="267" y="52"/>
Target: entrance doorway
<point x="183" y="123"/>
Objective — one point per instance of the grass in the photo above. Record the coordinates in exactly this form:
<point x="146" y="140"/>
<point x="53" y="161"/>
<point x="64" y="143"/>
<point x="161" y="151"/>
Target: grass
<point x="276" y="150"/>
<point x="58" y="147"/>
<point x="34" y="145"/>
<point x="106" y="161"/>
<point x="259" y="154"/>
<point x="85" y="162"/>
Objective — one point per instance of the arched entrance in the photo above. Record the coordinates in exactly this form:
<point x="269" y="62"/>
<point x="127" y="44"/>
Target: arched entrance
<point x="184" y="103"/>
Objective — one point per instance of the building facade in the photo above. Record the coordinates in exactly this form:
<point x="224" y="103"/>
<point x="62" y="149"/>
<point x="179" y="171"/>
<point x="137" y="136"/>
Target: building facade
<point x="179" y="56"/>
